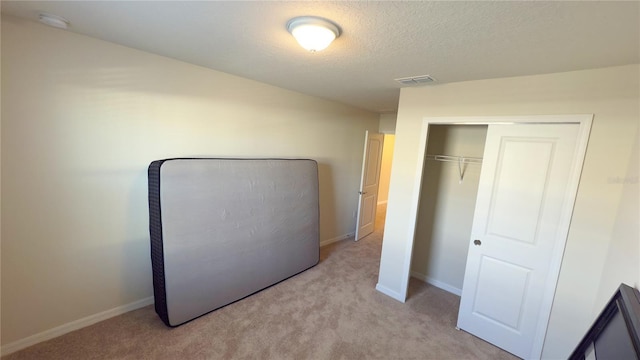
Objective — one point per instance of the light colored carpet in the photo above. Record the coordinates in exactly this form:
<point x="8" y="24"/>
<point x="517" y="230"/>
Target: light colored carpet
<point x="331" y="311"/>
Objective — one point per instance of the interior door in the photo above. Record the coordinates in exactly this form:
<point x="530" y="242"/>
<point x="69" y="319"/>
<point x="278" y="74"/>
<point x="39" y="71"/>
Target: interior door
<point x="369" y="182"/>
<point x="522" y="197"/>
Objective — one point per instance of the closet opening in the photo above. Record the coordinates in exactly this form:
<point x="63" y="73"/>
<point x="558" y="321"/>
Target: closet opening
<point x="448" y="194"/>
<point x="519" y="210"/>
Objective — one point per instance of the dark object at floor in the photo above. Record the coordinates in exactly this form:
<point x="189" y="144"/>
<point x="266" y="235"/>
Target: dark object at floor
<point x="616" y="332"/>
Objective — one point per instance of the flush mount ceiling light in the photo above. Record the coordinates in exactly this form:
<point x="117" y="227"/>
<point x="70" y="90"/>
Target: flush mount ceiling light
<point x="313" y="33"/>
<point x="53" y="20"/>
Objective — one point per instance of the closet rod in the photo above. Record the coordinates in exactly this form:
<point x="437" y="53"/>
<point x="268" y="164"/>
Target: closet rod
<point x="462" y="162"/>
<point x="457" y="159"/>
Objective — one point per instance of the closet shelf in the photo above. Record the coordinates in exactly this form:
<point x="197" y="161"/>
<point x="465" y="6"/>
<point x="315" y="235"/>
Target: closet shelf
<point x="457" y="159"/>
<point x="462" y="162"/>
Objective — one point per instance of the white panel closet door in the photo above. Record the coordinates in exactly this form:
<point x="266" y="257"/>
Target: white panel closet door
<point x="522" y="193"/>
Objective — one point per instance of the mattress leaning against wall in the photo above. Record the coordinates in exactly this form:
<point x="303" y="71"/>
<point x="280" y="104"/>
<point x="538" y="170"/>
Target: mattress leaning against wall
<point x="223" y="229"/>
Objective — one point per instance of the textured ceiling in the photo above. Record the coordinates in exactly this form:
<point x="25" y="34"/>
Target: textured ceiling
<point x="450" y="40"/>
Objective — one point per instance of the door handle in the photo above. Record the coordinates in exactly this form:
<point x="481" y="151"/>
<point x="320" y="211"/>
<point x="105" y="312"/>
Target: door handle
<point x="477" y="242"/>
<point x="362" y="192"/>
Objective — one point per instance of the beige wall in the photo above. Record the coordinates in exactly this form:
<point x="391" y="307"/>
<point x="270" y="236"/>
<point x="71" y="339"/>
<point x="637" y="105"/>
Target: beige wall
<point x="618" y="264"/>
<point x="446" y="207"/>
<point x="385" y="168"/>
<point x="81" y="121"/>
<point x="387" y="123"/>
<point x="612" y="95"/>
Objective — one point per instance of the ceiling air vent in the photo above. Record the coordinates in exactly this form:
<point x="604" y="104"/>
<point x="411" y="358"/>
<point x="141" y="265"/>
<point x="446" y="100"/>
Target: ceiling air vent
<point x="416" y="80"/>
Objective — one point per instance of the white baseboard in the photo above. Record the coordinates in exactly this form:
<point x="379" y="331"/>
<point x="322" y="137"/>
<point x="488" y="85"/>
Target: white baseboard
<point x="393" y="294"/>
<point x="382" y="202"/>
<point x="72" y="326"/>
<point x="436" y="283"/>
<point x="336" y="239"/>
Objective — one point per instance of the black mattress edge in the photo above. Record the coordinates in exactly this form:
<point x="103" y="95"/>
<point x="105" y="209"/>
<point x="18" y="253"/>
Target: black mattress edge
<point x="155" y="233"/>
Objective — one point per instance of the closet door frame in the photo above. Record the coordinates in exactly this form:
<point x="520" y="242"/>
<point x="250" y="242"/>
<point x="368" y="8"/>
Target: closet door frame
<point x="584" y="122"/>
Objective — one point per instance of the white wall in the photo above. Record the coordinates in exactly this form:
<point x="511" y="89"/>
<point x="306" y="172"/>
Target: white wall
<point x="613" y="95"/>
<point x="81" y="121"/>
<point x="446" y="207"/>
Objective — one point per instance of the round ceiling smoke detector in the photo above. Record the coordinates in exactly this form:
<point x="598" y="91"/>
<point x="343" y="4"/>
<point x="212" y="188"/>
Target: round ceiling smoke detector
<point x="53" y="20"/>
<point x="313" y="33"/>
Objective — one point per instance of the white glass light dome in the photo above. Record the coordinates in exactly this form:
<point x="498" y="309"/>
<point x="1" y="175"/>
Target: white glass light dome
<point x="313" y="33"/>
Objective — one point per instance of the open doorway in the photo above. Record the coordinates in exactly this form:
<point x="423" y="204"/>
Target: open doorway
<point x="386" y="126"/>
<point x="385" y="177"/>
<point x="375" y="178"/>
